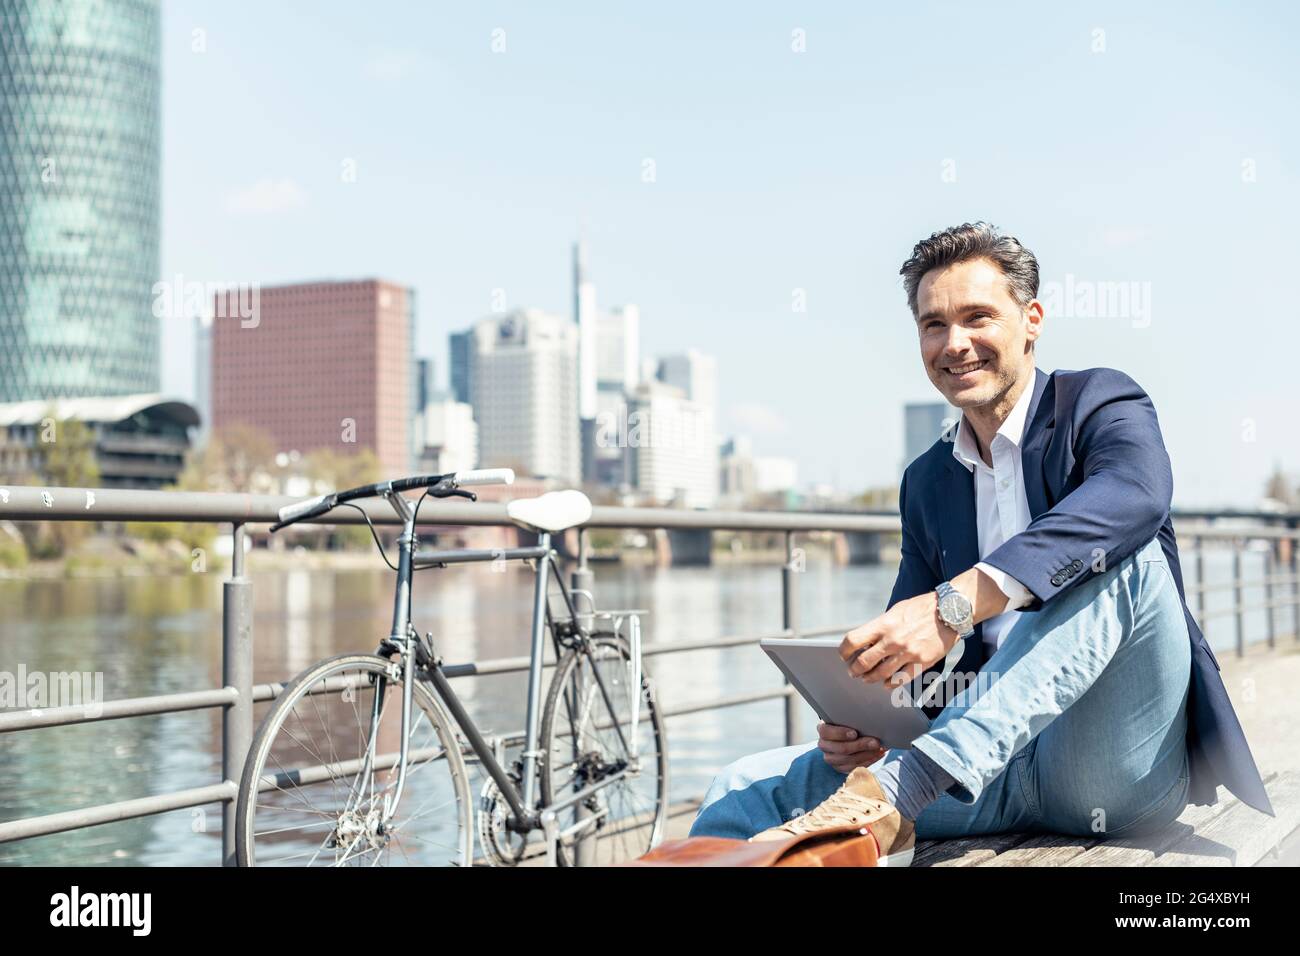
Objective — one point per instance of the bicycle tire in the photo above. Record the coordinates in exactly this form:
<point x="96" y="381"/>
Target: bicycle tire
<point x="426" y="707"/>
<point x="616" y="838"/>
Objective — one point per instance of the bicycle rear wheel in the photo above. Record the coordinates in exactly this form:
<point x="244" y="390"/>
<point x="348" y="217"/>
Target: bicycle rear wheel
<point x="313" y="790"/>
<point x="586" y="738"/>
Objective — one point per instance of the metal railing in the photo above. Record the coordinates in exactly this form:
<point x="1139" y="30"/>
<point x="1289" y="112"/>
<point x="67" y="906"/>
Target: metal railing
<point x="238" y="694"/>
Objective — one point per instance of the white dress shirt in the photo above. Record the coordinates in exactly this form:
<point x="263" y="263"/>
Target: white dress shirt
<point x="1001" y="507"/>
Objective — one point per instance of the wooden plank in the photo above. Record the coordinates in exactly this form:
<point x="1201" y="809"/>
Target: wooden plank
<point x="965" y="851"/>
<point x="1241" y="835"/>
<point x="1141" y="851"/>
<point x="970" y="858"/>
<point x="1046" y="849"/>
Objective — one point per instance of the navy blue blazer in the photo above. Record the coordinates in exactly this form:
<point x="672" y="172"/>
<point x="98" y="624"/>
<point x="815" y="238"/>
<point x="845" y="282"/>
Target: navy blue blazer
<point x="1098" y="481"/>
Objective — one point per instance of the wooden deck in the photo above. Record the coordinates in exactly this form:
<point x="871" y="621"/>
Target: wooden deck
<point x="1229" y="833"/>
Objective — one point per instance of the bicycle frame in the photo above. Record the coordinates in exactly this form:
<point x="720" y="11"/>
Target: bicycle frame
<point x="416" y="659"/>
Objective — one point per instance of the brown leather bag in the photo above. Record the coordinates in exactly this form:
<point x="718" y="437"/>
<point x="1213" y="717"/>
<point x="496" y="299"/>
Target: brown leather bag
<point x="849" y="845"/>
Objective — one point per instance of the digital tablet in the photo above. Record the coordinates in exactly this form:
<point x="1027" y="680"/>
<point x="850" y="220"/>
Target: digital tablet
<point x="814" y="667"/>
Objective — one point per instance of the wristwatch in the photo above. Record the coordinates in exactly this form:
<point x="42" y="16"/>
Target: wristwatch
<point x="955" y="610"/>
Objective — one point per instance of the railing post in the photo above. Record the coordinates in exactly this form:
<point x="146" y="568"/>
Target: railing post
<point x="1295" y="589"/>
<point x="790" y="622"/>
<point x="1198" y="543"/>
<point x="582" y="579"/>
<point x="1268" y="589"/>
<point x="1236" y="595"/>
<point x="237" y="673"/>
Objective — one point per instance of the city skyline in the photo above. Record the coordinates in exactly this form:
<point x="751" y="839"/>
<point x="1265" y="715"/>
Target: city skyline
<point x="751" y="225"/>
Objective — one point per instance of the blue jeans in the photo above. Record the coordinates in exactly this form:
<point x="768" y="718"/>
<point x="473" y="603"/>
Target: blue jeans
<point x="1076" y="725"/>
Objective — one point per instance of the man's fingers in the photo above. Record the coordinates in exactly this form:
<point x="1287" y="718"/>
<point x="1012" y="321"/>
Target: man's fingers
<point x="845" y="764"/>
<point x="835" y="732"/>
<point x="872" y="657"/>
<point x="895" y="665"/>
<point x="845" y="747"/>
<point x="857" y="639"/>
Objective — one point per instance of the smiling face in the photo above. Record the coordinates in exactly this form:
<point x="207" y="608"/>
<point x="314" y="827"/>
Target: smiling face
<point x="975" y="338"/>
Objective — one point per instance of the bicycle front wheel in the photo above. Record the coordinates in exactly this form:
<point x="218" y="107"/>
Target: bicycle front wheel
<point x="319" y="785"/>
<point x="588" y="739"/>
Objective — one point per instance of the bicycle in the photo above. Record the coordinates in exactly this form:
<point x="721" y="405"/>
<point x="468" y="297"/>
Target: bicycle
<point x="386" y="786"/>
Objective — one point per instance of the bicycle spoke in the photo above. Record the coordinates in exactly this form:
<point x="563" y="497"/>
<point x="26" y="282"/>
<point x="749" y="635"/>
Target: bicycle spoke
<point x="339" y="787"/>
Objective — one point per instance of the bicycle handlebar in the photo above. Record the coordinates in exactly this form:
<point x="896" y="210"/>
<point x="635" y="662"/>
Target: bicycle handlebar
<point x="443" y="486"/>
<point x="485" y="476"/>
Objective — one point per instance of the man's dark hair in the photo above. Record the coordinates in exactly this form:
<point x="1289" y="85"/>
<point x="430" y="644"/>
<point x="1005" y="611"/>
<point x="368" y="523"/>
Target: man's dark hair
<point x="973" y="240"/>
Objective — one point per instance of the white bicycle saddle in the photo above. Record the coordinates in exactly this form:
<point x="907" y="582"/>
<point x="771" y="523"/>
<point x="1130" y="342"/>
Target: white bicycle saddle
<point x="553" y="511"/>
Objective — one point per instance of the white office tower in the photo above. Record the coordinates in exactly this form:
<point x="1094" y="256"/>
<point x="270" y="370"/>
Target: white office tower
<point x="618" y="348"/>
<point x="736" y="480"/>
<point x="672" y="449"/>
<point x="450" y="439"/>
<point x="618" y="369"/>
<point x="585" y="319"/>
<point x="696" y="374"/>
<point x="524" y="389"/>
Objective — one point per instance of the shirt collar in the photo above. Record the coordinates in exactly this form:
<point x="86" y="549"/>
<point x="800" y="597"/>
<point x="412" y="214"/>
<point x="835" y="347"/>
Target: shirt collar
<point x="1012" y="429"/>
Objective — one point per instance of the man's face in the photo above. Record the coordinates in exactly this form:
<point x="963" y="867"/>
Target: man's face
<point x="974" y="336"/>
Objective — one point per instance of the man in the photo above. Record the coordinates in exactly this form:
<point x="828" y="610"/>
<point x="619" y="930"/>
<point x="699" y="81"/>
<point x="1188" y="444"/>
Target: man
<point x="1085" y="700"/>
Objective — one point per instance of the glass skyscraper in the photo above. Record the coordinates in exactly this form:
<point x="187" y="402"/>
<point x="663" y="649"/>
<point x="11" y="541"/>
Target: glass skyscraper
<point x="79" y="197"/>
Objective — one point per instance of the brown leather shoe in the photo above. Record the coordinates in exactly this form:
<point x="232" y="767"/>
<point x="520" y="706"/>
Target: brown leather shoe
<point x="859" y="800"/>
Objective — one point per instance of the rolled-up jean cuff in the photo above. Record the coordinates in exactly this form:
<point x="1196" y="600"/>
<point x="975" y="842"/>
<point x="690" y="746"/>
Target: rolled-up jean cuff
<point x="968" y="786"/>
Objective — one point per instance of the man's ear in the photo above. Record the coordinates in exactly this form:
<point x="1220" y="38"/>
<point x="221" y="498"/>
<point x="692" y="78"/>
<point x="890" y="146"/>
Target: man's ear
<point x="1033" y="316"/>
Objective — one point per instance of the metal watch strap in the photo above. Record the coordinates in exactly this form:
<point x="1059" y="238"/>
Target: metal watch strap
<point x="943" y="589"/>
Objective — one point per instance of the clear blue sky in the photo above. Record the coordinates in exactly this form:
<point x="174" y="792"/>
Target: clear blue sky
<point x="775" y="171"/>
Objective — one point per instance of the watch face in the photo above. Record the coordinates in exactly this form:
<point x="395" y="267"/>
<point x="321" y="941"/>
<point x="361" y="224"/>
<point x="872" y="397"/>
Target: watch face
<point x="954" y="608"/>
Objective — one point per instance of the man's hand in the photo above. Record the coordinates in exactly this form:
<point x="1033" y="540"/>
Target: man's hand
<point x="844" y="748"/>
<point x="900" y="644"/>
<point x="897" y="646"/>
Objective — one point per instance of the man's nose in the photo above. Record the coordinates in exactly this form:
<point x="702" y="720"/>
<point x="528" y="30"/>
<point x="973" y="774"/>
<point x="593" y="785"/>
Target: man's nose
<point x="957" y="342"/>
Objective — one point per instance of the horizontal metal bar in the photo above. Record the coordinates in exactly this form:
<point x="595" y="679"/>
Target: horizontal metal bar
<point x="221" y="697"/>
<point x="306" y="776"/>
<point x="117" y="504"/>
<point x="1249" y="608"/>
<point x="1243" y="583"/>
<point x="1238" y="533"/>
<point x="113" y="812"/>
<point x="735" y="700"/>
<point x="115" y="709"/>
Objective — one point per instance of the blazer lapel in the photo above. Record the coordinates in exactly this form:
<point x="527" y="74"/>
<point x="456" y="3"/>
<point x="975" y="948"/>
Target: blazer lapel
<point x="960" y="549"/>
<point x="959" y="536"/>
<point x="1040" y="422"/>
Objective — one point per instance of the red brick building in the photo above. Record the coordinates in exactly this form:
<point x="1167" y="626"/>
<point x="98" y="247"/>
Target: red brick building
<point x="319" y="365"/>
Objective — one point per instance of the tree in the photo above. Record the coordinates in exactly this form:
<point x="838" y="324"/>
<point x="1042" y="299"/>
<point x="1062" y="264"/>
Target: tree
<point x="329" y="470"/>
<point x="237" y="458"/>
<point x="66" y="460"/>
<point x="1280" y="489"/>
